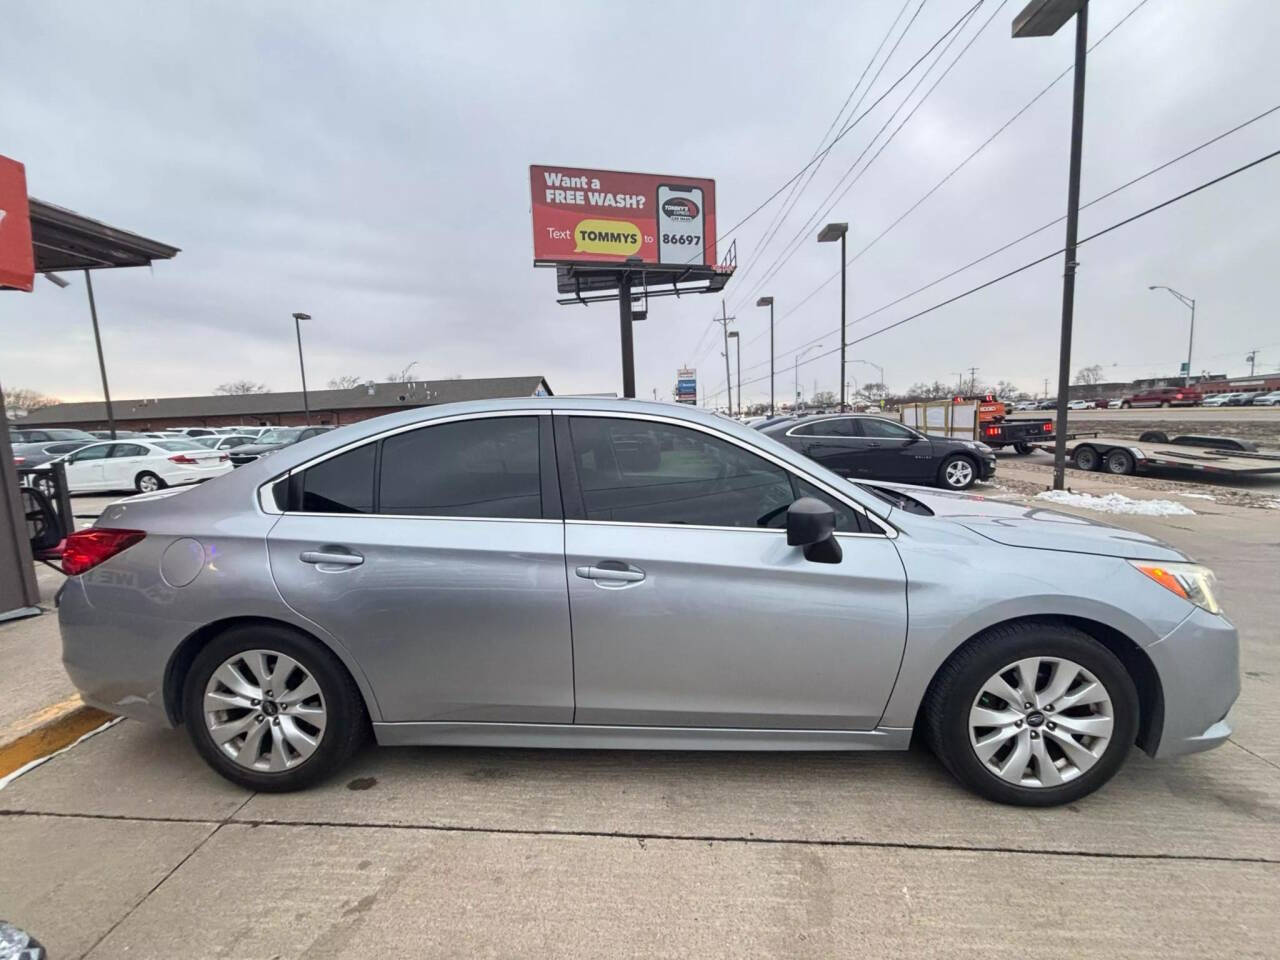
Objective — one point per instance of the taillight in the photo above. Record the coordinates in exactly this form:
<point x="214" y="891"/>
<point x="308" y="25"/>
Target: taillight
<point x="19" y="461"/>
<point x="1048" y="427"/>
<point x="1177" y="396"/>
<point x="85" y="549"/>
<point x="181" y="458"/>
<point x="223" y="458"/>
<point x="993" y="431"/>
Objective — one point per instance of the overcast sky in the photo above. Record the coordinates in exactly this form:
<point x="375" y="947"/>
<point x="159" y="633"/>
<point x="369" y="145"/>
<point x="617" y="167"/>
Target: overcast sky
<point x="368" y="164"/>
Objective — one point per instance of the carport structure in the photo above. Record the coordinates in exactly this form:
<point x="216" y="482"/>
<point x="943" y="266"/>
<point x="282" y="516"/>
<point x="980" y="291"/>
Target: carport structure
<point x="61" y="241"/>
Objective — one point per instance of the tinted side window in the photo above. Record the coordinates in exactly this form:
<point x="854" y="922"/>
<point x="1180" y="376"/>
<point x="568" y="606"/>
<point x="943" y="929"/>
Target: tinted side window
<point x="884" y="429"/>
<point x="472" y="468"/>
<point x="98" y="451"/>
<point x="638" y="471"/>
<point x="847" y="519"/>
<point x="341" y="484"/>
<point x="128" y="450"/>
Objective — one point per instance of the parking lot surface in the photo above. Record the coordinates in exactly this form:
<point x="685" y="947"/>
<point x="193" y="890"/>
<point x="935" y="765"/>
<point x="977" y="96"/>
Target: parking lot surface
<point x="132" y="847"/>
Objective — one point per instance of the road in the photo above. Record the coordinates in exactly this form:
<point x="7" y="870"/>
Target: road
<point x="130" y="846"/>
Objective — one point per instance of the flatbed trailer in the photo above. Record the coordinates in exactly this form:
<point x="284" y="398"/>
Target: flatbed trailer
<point x="1119" y="455"/>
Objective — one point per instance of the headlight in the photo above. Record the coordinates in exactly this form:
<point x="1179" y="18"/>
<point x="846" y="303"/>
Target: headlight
<point x="1190" y="581"/>
<point x="976" y="445"/>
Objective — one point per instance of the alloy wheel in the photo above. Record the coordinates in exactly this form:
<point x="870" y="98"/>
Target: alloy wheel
<point x="264" y="710"/>
<point x="1041" y="722"/>
<point x="959" y="474"/>
<point x="148" y="484"/>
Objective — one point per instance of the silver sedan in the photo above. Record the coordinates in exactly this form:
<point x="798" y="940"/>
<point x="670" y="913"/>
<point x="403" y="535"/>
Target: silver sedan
<point x="593" y="573"/>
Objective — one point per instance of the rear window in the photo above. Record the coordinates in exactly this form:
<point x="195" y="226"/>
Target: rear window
<point x="178" y="445"/>
<point x="341" y="484"/>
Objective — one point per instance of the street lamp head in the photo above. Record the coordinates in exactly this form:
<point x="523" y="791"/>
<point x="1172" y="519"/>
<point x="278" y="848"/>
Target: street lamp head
<point x="765" y="302"/>
<point x="1153" y="288"/>
<point x="302" y="316"/>
<point x="832" y="231"/>
<point x="57" y="281"/>
<point x="733" y="334"/>
<point x="1044" y="18"/>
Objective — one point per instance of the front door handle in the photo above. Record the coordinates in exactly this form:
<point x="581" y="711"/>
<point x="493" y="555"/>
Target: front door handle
<point x="338" y="559"/>
<point x="604" y="573"/>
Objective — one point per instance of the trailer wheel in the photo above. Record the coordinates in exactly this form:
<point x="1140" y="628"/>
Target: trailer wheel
<point x="1022" y="449"/>
<point x="1085" y="458"/>
<point x="1120" y="462"/>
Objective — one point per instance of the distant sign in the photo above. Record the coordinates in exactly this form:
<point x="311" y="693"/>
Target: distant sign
<point x="687" y="385"/>
<point x="17" y="263"/>
<point x="604" y="216"/>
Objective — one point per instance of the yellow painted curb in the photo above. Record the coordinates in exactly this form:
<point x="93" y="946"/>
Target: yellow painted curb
<point x="47" y="731"/>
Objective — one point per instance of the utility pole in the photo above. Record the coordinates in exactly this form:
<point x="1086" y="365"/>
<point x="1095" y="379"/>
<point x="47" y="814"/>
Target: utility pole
<point x="1252" y="357"/>
<point x="1046" y="387"/>
<point x="973" y="380"/>
<point x="723" y="320"/>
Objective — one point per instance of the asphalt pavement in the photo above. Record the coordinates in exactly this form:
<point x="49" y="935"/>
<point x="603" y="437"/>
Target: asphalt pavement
<point x="130" y="846"/>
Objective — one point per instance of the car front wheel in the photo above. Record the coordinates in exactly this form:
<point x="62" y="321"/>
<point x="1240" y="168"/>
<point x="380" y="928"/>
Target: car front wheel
<point x="957" y="473"/>
<point x="271" y="710"/>
<point x="1032" y="714"/>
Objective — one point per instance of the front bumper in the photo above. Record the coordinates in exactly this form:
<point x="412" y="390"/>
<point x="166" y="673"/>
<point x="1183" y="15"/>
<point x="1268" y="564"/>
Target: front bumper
<point x="987" y="467"/>
<point x="1199" y="668"/>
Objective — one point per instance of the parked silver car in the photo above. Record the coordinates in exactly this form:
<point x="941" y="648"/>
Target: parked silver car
<point x="596" y="573"/>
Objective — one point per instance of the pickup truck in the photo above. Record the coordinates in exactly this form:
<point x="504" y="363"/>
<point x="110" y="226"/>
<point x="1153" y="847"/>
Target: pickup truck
<point x="996" y="431"/>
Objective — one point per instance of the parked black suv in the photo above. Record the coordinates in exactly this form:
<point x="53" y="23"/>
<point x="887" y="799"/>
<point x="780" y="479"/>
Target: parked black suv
<point x="865" y="447"/>
<point x="277" y="438"/>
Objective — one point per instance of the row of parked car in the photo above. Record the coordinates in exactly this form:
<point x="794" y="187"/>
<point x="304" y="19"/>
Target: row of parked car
<point x="146" y="461"/>
<point x="1164" y="397"/>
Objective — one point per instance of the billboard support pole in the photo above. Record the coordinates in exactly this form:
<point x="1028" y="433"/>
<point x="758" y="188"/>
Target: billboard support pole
<point x="624" y="321"/>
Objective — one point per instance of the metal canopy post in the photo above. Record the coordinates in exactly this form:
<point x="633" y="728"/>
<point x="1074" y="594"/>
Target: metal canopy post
<point x="102" y="365"/>
<point x="624" y="322"/>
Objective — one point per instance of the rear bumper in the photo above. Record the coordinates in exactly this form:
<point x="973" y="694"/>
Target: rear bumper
<point x="1199" y="668"/>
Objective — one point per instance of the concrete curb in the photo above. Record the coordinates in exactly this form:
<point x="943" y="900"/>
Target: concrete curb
<point x="47" y="731"/>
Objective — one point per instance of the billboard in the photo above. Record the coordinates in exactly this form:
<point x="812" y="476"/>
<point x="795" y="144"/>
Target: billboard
<point x="604" y="216"/>
<point x="687" y="385"/>
<point x="17" y="263"/>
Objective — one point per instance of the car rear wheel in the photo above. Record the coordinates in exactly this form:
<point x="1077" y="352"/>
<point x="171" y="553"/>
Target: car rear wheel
<point x="1120" y="462"/>
<point x="1022" y="449"/>
<point x="1033" y="714"/>
<point x="271" y="710"/>
<point x="1085" y="458"/>
<point x="957" y="472"/>
<point x="148" y="482"/>
<point x="1126" y="405"/>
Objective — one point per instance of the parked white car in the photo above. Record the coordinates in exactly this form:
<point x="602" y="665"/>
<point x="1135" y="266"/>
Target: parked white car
<point x="142" y="465"/>
<point x="1271" y="399"/>
<point x="1116" y="404"/>
<point x="225" y="442"/>
<point x="1080" y="405"/>
<point x="1219" y="399"/>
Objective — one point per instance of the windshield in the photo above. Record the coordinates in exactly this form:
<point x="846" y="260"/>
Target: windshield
<point x="280" y="435"/>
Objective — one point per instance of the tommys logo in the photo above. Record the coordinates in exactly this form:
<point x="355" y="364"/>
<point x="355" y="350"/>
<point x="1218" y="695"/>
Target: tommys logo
<point x="679" y="208"/>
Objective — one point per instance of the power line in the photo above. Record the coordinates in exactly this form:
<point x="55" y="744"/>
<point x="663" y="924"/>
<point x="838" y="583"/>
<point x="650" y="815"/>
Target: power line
<point x="797" y="241"/>
<point x="963" y="163"/>
<point x="1040" y="229"/>
<point x="1039" y="260"/>
<point x="784" y="210"/>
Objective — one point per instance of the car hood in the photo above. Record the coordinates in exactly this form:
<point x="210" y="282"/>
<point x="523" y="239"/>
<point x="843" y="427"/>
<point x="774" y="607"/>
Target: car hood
<point x="1038" y="528"/>
<point x="256" y="448"/>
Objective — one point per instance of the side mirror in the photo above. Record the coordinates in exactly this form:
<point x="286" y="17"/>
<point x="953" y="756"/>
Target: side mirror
<point x="811" y="524"/>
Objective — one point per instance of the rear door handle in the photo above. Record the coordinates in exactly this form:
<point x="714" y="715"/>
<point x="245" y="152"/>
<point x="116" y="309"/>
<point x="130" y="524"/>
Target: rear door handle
<point x="338" y="559"/>
<point x="604" y="573"/>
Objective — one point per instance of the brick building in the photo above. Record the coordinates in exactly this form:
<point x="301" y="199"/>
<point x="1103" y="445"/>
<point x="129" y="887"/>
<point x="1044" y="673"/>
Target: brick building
<point x="336" y="407"/>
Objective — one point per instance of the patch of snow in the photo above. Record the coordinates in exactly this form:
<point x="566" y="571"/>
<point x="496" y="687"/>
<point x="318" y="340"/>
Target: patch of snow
<point x="1117" y="503"/>
<point x="1198" y="496"/>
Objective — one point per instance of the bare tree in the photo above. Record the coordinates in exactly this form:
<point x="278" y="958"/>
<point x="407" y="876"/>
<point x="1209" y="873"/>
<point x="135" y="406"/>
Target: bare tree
<point x="1006" y="389"/>
<point x="824" y="398"/>
<point x="1089" y="375"/>
<point x="24" y="398"/>
<point x="238" y="387"/>
<point x="403" y="375"/>
<point x="345" y="382"/>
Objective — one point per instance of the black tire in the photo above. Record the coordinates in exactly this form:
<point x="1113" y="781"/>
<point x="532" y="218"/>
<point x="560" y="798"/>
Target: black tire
<point x="1164" y="403"/>
<point x="1119" y="462"/>
<point x="1125" y="405"/>
<point x="1022" y="449"/>
<point x="1085" y="457"/>
<point x="1154" y="436"/>
<point x="946" y="484"/>
<point x="345" y="725"/>
<point x="147" y="475"/>
<point x="958" y="683"/>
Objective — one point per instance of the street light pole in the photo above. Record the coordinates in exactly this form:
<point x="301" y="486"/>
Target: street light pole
<point x="1186" y="302"/>
<point x="828" y="234"/>
<point x="102" y="364"/>
<point x="766" y="302"/>
<point x="1043" y="18"/>
<point x="297" y="326"/>
<point x="738" y="342"/>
